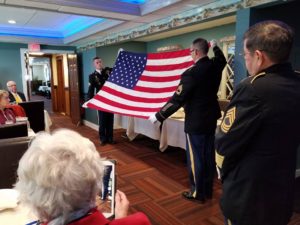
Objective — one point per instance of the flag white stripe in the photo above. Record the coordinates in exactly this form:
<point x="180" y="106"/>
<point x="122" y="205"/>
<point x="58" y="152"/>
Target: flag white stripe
<point x="164" y="73"/>
<point x="137" y="93"/>
<point x="157" y="84"/>
<point x="174" y="61"/>
<point x="130" y="103"/>
<point x="118" y="110"/>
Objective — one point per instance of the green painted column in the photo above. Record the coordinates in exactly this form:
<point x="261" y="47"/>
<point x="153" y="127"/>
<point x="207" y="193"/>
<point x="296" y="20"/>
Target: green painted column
<point x="242" y="24"/>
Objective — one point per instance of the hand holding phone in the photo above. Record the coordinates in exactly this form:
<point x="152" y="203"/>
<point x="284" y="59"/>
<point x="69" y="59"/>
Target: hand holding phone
<point x="122" y="205"/>
<point x="106" y="199"/>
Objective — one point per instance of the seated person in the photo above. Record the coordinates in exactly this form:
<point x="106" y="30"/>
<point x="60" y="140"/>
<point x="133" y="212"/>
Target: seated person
<point x="17" y="109"/>
<point x="14" y="95"/>
<point x="7" y="116"/>
<point x="59" y="178"/>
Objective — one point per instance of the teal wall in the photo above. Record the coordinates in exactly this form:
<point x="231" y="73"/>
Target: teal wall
<point x="286" y="12"/>
<point x="86" y="65"/>
<point x="108" y="54"/>
<point x="10" y="62"/>
<point x="185" y="40"/>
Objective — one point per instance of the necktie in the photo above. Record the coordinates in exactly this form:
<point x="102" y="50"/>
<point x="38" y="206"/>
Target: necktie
<point x="17" y="97"/>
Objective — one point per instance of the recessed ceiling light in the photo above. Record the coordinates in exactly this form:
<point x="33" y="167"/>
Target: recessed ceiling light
<point x="11" y="21"/>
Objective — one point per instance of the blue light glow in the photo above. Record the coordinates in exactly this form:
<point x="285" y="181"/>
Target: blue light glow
<point x="73" y="26"/>
<point x="79" y="23"/>
<point x="134" y="1"/>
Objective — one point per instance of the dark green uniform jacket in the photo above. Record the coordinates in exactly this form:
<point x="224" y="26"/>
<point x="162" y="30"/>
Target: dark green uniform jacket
<point x="256" y="148"/>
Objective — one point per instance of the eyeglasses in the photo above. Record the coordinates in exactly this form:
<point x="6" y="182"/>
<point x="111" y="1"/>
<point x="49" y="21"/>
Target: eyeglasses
<point x="246" y="53"/>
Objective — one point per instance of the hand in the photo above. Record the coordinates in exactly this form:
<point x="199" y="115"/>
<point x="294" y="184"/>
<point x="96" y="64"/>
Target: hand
<point x="122" y="205"/>
<point x="212" y="43"/>
<point x="152" y="118"/>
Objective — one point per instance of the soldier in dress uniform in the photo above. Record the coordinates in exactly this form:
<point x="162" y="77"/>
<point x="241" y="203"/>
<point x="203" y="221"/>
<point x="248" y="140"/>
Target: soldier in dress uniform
<point x="257" y="140"/>
<point x="197" y="92"/>
<point x="105" y="119"/>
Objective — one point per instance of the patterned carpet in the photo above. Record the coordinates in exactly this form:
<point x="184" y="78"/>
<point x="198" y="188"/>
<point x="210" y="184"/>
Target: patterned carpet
<point x="153" y="181"/>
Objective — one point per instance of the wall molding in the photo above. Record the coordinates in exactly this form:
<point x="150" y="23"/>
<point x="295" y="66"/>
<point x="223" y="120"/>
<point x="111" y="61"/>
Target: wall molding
<point x="187" y="18"/>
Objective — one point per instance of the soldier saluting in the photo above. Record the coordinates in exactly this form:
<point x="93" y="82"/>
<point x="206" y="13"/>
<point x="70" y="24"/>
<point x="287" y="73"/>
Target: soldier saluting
<point x="197" y="92"/>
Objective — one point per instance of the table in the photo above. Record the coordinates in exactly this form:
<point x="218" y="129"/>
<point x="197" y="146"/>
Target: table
<point x="171" y="134"/>
<point x="17" y="216"/>
<point x="44" y="88"/>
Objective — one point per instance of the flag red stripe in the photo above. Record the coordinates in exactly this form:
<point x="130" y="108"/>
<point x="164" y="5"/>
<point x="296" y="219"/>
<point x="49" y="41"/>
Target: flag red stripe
<point x="169" y="67"/>
<point x="92" y="106"/>
<point x="169" y="55"/>
<point x="127" y="107"/>
<point x="159" y="79"/>
<point x="130" y="97"/>
<point x="155" y="90"/>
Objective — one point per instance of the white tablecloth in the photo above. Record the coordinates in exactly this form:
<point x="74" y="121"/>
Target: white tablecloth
<point x="44" y="88"/>
<point x="171" y="134"/>
<point x="48" y="121"/>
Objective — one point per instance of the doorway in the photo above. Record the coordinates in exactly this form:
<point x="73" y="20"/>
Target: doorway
<point x="61" y="100"/>
<point x="62" y="81"/>
<point x="40" y="85"/>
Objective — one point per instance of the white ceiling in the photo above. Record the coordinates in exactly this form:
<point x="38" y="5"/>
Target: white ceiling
<point x="100" y="18"/>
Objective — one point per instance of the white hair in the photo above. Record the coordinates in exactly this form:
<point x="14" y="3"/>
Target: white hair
<point x="59" y="173"/>
<point x="10" y="83"/>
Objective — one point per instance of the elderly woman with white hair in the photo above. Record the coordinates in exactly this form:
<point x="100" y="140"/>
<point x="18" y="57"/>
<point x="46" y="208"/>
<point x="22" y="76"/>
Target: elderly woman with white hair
<point x="60" y="176"/>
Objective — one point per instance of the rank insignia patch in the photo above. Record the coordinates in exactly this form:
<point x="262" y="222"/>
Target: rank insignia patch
<point x="179" y="90"/>
<point x="228" y="120"/>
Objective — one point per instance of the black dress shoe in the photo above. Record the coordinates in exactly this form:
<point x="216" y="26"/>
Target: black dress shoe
<point x="189" y="196"/>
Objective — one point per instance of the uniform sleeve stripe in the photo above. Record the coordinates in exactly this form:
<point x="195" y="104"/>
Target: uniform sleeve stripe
<point x="219" y="160"/>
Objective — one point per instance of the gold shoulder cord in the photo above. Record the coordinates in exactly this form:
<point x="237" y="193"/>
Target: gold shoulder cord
<point x="256" y="76"/>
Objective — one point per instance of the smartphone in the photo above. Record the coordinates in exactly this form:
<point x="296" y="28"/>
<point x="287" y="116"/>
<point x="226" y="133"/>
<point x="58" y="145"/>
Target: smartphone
<point x="108" y="190"/>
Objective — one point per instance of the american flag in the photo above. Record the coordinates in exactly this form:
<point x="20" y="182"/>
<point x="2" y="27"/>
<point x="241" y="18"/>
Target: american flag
<point x="140" y="84"/>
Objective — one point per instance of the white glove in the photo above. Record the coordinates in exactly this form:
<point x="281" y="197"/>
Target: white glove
<point x="219" y="173"/>
<point x="152" y="118"/>
<point x="213" y="43"/>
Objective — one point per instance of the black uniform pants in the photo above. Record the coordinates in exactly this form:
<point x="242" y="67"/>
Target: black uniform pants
<point x="201" y="164"/>
<point x="106" y="126"/>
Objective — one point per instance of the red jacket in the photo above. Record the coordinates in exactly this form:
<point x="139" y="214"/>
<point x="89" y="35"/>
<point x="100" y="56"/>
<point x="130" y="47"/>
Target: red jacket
<point x="7" y="114"/>
<point x="96" y="218"/>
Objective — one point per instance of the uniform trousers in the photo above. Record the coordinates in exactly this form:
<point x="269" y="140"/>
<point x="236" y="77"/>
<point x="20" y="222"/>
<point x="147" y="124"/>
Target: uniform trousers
<point x="201" y="164"/>
<point x="106" y="126"/>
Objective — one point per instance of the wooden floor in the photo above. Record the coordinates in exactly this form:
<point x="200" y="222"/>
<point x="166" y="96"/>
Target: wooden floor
<point x="153" y="181"/>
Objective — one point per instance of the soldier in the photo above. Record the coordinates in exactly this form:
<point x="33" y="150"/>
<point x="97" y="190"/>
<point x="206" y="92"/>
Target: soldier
<point x="105" y="119"/>
<point x="258" y="137"/>
<point x="197" y="92"/>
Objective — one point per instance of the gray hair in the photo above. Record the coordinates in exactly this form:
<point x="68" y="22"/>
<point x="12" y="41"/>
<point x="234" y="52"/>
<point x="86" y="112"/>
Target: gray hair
<point x="9" y="83"/>
<point x="59" y="173"/>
